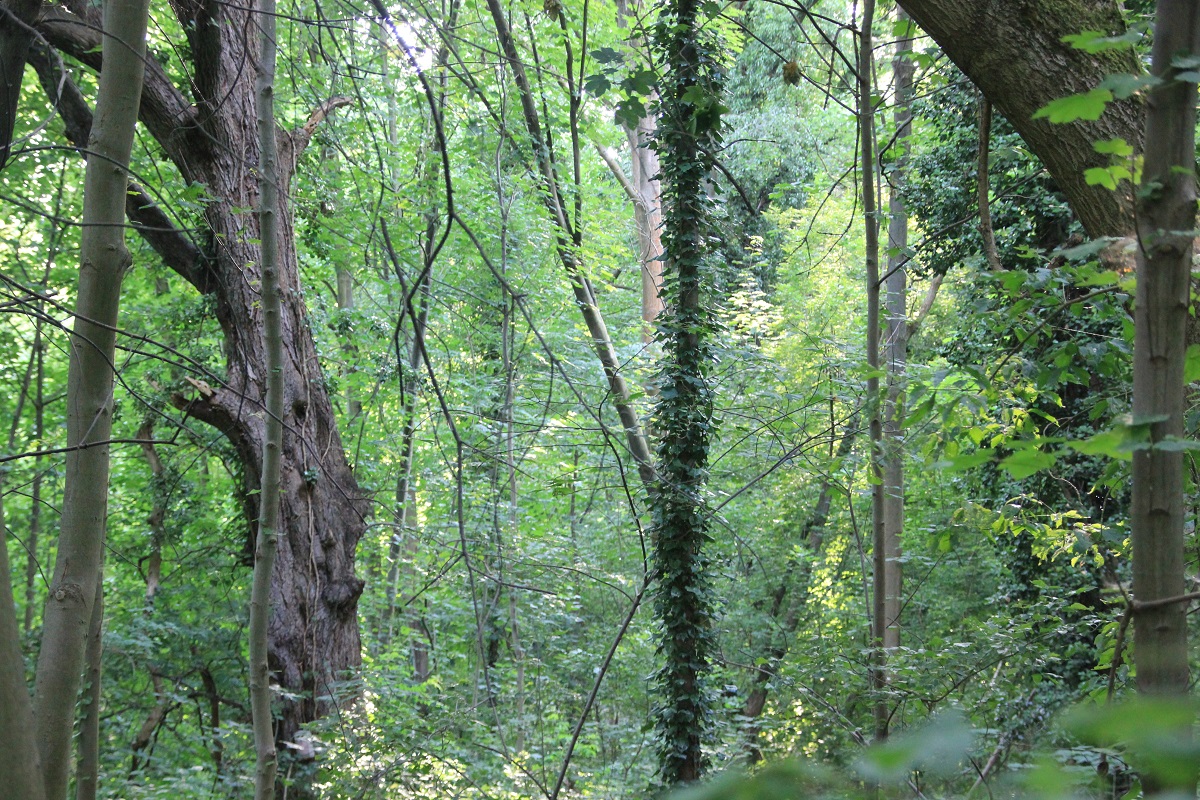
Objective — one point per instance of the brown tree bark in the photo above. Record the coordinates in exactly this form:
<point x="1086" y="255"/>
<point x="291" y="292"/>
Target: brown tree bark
<point x="1014" y="52"/>
<point x="314" y="639"/>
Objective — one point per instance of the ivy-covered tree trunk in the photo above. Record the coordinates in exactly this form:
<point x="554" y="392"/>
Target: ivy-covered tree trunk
<point x="688" y="134"/>
<point x="1166" y="218"/>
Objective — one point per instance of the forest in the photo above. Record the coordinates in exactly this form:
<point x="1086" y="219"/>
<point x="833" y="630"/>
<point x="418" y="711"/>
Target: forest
<point x="700" y="399"/>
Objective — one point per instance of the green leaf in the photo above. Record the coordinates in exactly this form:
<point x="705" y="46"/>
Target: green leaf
<point x="1116" y="443"/>
<point x="1086" y="106"/>
<point x="967" y="460"/>
<point x="938" y="747"/>
<point x="1097" y="42"/>
<point x="1099" y="176"/>
<point x="597" y="84"/>
<point x="1124" y="86"/>
<point x="1154" y="732"/>
<point x="1024" y="463"/>
<point x="607" y="55"/>
<point x="1191" y="364"/>
<point x="1116" y="147"/>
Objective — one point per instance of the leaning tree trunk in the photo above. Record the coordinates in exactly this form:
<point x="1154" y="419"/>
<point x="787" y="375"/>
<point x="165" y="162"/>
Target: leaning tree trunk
<point x="212" y="139"/>
<point x="1013" y="50"/>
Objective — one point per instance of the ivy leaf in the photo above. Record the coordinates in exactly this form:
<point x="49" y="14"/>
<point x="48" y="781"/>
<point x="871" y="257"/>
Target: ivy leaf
<point x="1024" y="463"/>
<point x="1087" y="106"/>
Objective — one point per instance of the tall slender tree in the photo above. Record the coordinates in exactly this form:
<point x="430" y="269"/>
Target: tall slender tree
<point x="1166" y="218"/>
<point x="103" y="261"/>
<point x="689" y="133"/>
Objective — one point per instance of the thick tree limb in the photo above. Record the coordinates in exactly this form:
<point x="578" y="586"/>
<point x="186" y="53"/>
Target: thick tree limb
<point x="176" y="250"/>
<point x="1013" y="50"/>
<point x="16" y="19"/>
<point x="171" y="119"/>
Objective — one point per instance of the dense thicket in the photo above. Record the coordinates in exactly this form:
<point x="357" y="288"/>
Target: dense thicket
<point x="575" y="473"/>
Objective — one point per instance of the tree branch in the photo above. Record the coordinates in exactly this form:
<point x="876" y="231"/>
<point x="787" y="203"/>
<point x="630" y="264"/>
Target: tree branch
<point x="174" y="247"/>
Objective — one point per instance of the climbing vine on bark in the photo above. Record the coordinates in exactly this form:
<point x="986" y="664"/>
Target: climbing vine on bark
<point x="689" y="131"/>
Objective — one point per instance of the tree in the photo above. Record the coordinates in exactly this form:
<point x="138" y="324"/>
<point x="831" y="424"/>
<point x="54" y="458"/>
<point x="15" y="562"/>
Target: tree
<point x="74" y="611"/>
<point x="689" y="131"/>
<point x="1166" y="218"/>
<point x="1016" y="54"/>
<point x="211" y="140"/>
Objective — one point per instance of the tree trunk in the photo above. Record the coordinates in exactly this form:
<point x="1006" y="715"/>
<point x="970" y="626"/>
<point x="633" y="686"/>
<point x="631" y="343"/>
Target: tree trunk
<point x="896" y="355"/>
<point x="647" y="212"/>
<point x="87" y="769"/>
<point x="266" y="759"/>
<point x="865" y="66"/>
<point x="1166" y="218"/>
<point x="19" y="763"/>
<point x="103" y="261"/>
<point x="1013" y="50"/>
<point x="688" y="135"/>
<point x="314" y="640"/>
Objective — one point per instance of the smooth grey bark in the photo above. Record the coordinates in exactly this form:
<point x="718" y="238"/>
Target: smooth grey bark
<point x="35" y="484"/>
<point x="896" y="348"/>
<point x="983" y="186"/>
<point x="1166" y="217"/>
<point x="647" y="212"/>
<point x="867" y="166"/>
<point x="269" y="178"/>
<point x="1013" y="50"/>
<point x="87" y="766"/>
<point x="103" y="261"/>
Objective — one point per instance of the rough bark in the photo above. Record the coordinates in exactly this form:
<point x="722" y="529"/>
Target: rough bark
<point x="1014" y="52"/>
<point x="103" y="261"/>
<point x="19" y="763"/>
<point x="16" y="33"/>
<point x="1166" y="214"/>
<point x="314" y="638"/>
